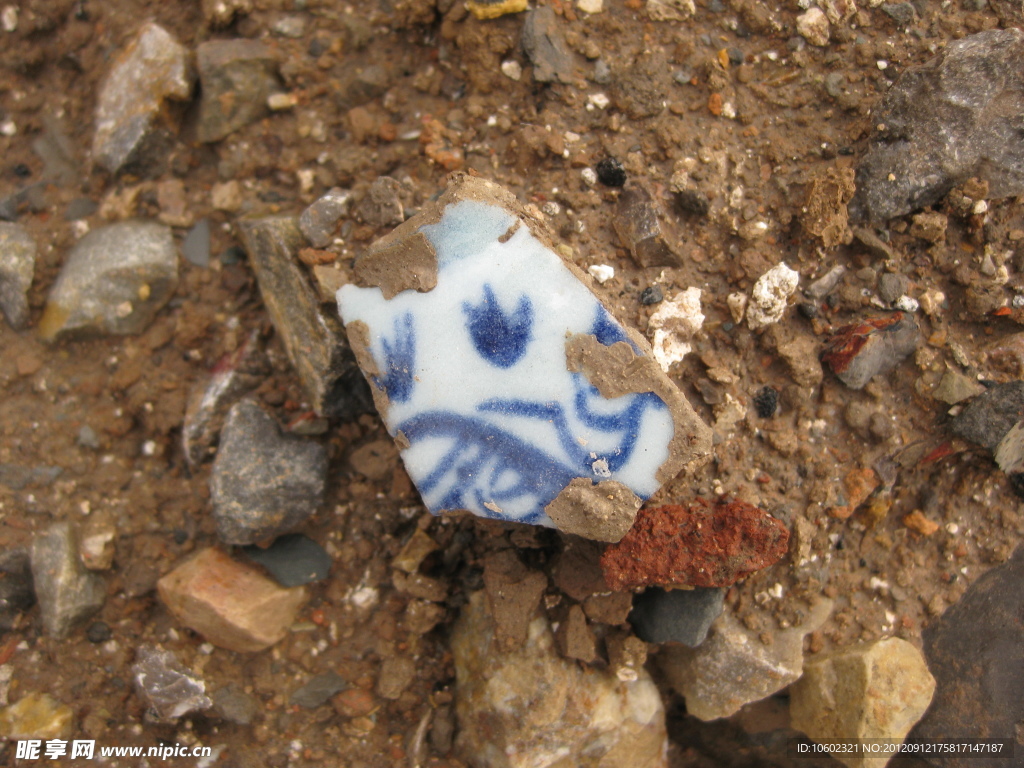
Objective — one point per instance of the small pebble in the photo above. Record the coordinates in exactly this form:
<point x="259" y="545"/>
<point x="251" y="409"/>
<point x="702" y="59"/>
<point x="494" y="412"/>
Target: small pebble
<point x="98" y="632"/>
<point x="611" y="173"/>
<point x="196" y="245"/>
<point x="766" y="401"/>
<point x="652" y="294"/>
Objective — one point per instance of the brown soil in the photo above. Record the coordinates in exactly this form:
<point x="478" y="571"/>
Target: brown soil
<point x="798" y="112"/>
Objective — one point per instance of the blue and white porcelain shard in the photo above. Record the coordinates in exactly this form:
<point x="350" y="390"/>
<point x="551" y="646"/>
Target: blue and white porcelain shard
<point x="473" y="335"/>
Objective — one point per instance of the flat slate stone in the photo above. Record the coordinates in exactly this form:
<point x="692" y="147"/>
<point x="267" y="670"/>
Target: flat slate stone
<point x="976" y="653"/>
<point x="502" y="377"/>
<point x="293" y="560"/>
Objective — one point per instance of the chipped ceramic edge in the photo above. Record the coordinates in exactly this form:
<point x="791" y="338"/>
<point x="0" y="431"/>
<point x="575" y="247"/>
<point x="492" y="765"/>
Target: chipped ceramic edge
<point x="383" y="266"/>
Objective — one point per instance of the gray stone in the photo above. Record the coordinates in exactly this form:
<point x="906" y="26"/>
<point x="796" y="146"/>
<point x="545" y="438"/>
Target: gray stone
<point x="293" y="560"/>
<point x="318" y="690"/>
<point x="901" y="13"/>
<point x="989" y="416"/>
<point x="234" y="375"/>
<point x="732" y="667"/>
<point x="16" y="593"/>
<point x="264" y="483"/>
<point x="955" y="117"/>
<point x="87" y="437"/>
<point x="319" y="220"/>
<point x="17" y="477"/>
<point x="637" y="221"/>
<point x="235" y="705"/>
<point x="115" y="280"/>
<point x="860" y="351"/>
<point x="676" y="615"/>
<point x="17" y="264"/>
<point x="131" y="108"/>
<point x="314" y="339"/>
<point x="196" y="245"/>
<point x="166" y="685"/>
<point x="891" y="286"/>
<point x="976" y="654"/>
<point x="54" y="148"/>
<point x="80" y="208"/>
<point x="544" y="45"/>
<point x="361" y="86"/>
<point x="382" y="206"/>
<point x="955" y="387"/>
<point x="67" y="592"/>
<point x="530" y="707"/>
<point x="237" y="77"/>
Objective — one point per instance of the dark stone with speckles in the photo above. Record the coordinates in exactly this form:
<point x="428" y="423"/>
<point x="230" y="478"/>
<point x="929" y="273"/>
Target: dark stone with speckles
<point x="611" y="173"/>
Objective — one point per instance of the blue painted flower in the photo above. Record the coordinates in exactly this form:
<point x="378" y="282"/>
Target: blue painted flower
<point x="500" y="337"/>
<point x="399" y="360"/>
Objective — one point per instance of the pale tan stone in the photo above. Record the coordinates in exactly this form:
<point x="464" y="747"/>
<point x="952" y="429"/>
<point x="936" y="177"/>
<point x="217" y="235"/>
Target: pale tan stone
<point x="875" y="690"/>
<point x="230" y="604"/>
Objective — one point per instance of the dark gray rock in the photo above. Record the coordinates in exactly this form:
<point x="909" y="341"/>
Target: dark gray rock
<point x="234" y="705"/>
<point x="16" y="593"/>
<point x="319" y="220"/>
<point x="545" y="47"/>
<point x="858" y="352"/>
<point x="196" y="245"/>
<point x="976" y="653"/>
<point x="314" y="339"/>
<point x="264" y="483"/>
<point x="130" y="111"/>
<point x="234" y="375"/>
<point x="166" y="685"/>
<point x="67" y="593"/>
<point x="989" y="416"/>
<point x="115" y="280"/>
<point x="637" y="222"/>
<point x="957" y="116"/>
<point x="293" y="560"/>
<point x="318" y="690"/>
<point x="676" y="615"/>
<point x="237" y="77"/>
<point x="17" y="264"/>
<point x="901" y="13"/>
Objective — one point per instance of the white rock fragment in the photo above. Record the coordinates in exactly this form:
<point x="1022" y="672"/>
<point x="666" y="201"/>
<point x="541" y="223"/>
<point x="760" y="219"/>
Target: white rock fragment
<point x="737" y="306"/>
<point x="9" y="18"/>
<point x="589" y="176"/>
<point x="813" y="27"/>
<point x="599" y="100"/>
<point x="601" y="272"/>
<point x="512" y="69"/>
<point x="670" y="10"/>
<point x="674" y="324"/>
<point x="770" y="295"/>
<point x="931" y="301"/>
<point x="907" y="304"/>
<point x="281" y="101"/>
<point x="591" y="6"/>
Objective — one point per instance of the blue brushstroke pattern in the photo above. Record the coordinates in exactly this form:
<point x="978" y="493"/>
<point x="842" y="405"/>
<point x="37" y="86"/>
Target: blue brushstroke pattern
<point x="399" y="360"/>
<point x="607" y="331"/>
<point x="489" y="465"/>
<point x="500" y="338"/>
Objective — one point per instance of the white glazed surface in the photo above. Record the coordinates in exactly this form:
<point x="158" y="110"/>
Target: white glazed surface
<point x="497" y="425"/>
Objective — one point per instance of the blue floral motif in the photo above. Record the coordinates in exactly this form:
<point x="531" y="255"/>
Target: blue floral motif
<point x="500" y="338"/>
<point x="399" y="360"/>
